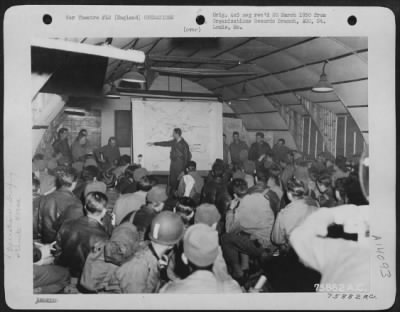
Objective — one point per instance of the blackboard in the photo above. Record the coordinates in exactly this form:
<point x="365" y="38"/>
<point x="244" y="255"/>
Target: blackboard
<point x="123" y="127"/>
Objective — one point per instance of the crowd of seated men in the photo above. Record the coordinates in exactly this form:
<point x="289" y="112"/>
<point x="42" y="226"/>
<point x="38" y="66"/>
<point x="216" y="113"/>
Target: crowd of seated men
<point x="102" y="224"/>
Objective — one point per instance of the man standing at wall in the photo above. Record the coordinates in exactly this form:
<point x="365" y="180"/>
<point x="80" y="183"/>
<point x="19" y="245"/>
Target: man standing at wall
<point x="236" y="147"/>
<point x="258" y="149"/>
<point x="180" y="155"/>
<point x="62" y="151"/>
<point x="280" y="150"/>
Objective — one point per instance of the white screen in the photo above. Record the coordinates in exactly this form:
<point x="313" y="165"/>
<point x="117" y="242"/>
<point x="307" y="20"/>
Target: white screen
<point x="154" y="120"/>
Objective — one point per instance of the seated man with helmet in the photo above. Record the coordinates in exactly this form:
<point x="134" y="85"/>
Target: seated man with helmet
<point x="106" y="256"/>
<point x="145" y="271"/>
<point x="141" y="219"/>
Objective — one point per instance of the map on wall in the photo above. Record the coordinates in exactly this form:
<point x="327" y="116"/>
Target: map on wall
<point x="154" y="121"/>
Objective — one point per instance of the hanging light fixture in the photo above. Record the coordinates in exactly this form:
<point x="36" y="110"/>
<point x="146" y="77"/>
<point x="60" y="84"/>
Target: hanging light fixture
<point x="133" y="76"/>
<point x="323" y="84"/>
<point x="132" y="80"/>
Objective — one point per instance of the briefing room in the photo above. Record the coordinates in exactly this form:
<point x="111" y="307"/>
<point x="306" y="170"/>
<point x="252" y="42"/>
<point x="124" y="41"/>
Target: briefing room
<point x="199" y="165"/>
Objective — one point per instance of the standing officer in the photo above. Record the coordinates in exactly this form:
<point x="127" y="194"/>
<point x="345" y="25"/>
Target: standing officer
<point x="180" y="155"/>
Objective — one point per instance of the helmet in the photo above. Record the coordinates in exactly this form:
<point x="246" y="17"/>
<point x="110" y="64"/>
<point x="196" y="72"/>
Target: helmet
<point x="167" y="228"/>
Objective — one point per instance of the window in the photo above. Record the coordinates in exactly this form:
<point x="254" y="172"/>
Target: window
<point x="123" y="127"/>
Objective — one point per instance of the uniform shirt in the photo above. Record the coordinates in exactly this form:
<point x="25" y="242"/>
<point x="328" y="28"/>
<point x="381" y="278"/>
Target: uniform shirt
<point x="138" y="275"/>
<point x="79" y="151"/>
<point x="280" y="152"/>
<point x="75" y="240"/>
<point x="179" y="150"/>
<point x="62" y="147"/>
<point x="110" y="153"/>
<point x="235" y="149"/>
<point x="289" y="218"/>
<point x="287" y="174"/>
<point x="54" y="209"/>
<point x="214" y="189"/>
<point x="107" y="256"/>
<point x="96" y="273"/>
<point x="253" y="216"/>
<point x="197" y="186"/>
<point x="127" y="203"/>
<point x="258" y="149"/>
<point x="201" y="282"/>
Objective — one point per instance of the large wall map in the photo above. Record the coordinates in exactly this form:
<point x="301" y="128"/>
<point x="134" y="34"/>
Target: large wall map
<point x="201" y="124"/>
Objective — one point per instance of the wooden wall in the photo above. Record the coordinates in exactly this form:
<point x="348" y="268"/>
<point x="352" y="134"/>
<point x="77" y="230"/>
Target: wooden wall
<point x="349" y="140"/>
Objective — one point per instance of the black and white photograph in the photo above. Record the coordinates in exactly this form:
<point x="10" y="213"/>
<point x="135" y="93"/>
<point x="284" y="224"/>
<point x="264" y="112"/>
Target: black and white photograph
<point x="200" y="165"/>
<point x="195" y="170"/>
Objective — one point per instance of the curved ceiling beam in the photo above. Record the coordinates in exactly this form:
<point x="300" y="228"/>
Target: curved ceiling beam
<point x="304" y="88"/>
<point x="291" y="69"/>
<point x="236" y="49"/>
<point x="352" y="52"/>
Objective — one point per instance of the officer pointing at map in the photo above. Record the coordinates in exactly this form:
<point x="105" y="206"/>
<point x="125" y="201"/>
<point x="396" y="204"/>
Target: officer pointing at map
<point x="180" y="155"/>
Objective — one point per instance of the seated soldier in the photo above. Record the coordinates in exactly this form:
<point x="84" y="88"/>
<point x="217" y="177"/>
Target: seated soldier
<point x="195" y="191"/>
<point x="76" y="238"/>
<point x="185" y="208"/>
<point x="270" y="186"/>
<point x="219" y="164"/>
<point x="145" y="271"/>
<point x="324" y="194"/>
<point x="131" y="202"/>
<point x="126" y="182"/>
<point x="293" y="214"/>
<point x="142" y="218"/>
<point x="248" y="225"/>
<point x="59" y="206"/>
<point x="123" y="163"/>
<point x="47" y="277"/>
<point x="200" y="251"/>
<point x="43" y="174"/>
<point x="249" y="169"/>
<point x="110" y="180"/>
<point x="215" y="185"/>
<point x="89" y="174"/>
<point x="107" y="256"/>
<point x="209" y="215"/>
